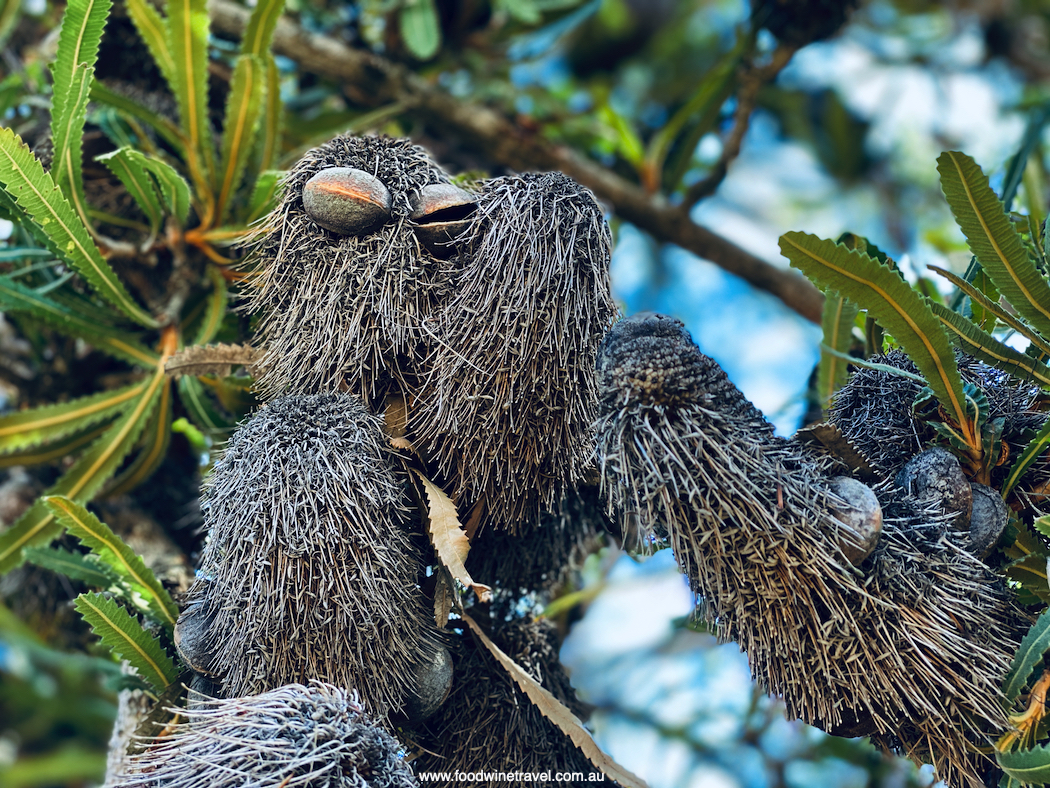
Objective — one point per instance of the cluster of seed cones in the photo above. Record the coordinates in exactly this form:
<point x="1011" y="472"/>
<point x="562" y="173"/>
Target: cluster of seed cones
<point x="909" y="646"/>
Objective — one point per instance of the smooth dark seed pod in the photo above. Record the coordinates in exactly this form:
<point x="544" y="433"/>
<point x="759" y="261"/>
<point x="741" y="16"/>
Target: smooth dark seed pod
<point x="430" y="687"/>
<point x="937" y="473"/>
<point x="988" y="519"/>
<point x="315" y="735"/>
<point x="441" y="213"/>
<point x="346" y="200"/>
<point x="860" y="513"/>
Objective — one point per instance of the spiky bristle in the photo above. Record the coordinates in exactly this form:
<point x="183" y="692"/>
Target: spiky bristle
<point x="314" y="735"/>
<point x="510" y="390"/>
<point x="310" y="570"/>
<point x="341" y="311"/>
<point x="911" y="649"/>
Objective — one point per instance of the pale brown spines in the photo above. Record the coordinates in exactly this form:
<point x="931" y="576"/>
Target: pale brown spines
<point x="909" y="647"/>
<point x="345" y="311"/>
<point x="316" y="735"/>
<point x="310" y="570"/>
<point x="510" y="389"/>
<point x="489" y="725"/>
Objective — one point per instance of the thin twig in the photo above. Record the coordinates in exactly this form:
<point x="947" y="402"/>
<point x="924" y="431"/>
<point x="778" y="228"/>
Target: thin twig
<point x="752" y="80"/>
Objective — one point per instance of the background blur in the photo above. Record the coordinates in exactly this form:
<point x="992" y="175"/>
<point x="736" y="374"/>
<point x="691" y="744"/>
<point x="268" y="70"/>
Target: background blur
<point x="843" y="138"/>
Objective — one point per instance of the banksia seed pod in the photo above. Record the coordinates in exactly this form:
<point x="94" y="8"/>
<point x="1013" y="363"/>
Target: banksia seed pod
<point x="988" y="519"/>
<point x="936" y="473"/>
<point x="510" y="389"/>
<point x="488" y="725"/>
<point x="751" y="520"/>
<point x="310" y="570"/>
<point x="313" y="736"/>
<point x="344" y="307"/>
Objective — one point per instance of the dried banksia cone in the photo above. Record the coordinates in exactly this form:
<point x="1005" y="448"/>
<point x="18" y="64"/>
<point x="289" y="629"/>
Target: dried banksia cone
<point x="510" y="390"/>
<point x="910" y="648"/>
<point x="489" y="725"/>
<point x="310" y="570"/>
<point x="314" y="735"/>
<point x="340" y="280"/>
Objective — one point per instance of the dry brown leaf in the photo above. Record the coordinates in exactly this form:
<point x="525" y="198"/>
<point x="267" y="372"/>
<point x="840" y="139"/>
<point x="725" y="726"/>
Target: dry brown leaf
<point x="396" y="417"/>
<point x="831" y="437"/>
<point x="211" y="360"/>
<point x="555" y="711"/>
<point x="443" y="599"/>
<point x="447" y="535"/>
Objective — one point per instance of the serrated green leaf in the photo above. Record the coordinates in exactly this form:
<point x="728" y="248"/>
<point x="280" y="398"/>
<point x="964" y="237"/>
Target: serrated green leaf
<point x="837" y="322"/>
<point x="25" y="179"/>
<point x="155" y="441"/>
<point x="112" y="551"/>
<point x="1032" y="452"/>
<point x="73" y="72"/>
<point x="173" y="187"/>
<point x="420" y="29"/>
<point x="269" y="142"/>
<point x="16" y="298"/>
<point x="258" y="35"/>
<point x="1042" y="525"/>
<point x="188" y="41"/>
<point x="153" y="29"/>
<point x="215" y="308"/>
<point x="993" y="240"/>
<point x="68" y="446"/>
<point x="1030" y="572"/>
<point x="988" y="349"/>
<point x="138" y="183"/>
<point x="167" y="130"/>
<point x="77" y="566"/>
<point x="265" y="194"/>
<point x="86" y="477"/>
<point x="243" y="110"/>
<point x="50" y="422"/>
<point x="1030" y="767"/>
<point x="897" y="307"/>
<point x="991" y="307"/>
<point x="127" y="639"/>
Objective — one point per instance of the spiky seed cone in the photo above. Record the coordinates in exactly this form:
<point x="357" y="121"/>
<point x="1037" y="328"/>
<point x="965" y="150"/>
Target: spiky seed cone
<point x="315" y="736"/>
<point x="344" y="311"/>
<point x="489" y="725"/>
<point x="542" y="555"/>
<point x="310" y="570"/>
<point x="911" y="649"/>
<point x="510" y="390"/>
<point x="875" y="412"/>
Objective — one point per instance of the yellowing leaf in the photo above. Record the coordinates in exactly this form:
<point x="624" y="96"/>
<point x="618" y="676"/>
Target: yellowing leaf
<point x="210" y="360"/>
<point x="556" y="711"/>
<point x="447" y="535"/>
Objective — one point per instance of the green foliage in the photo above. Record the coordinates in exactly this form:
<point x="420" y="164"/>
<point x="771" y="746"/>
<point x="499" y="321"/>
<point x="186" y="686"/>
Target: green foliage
<point x="127" y="639"/>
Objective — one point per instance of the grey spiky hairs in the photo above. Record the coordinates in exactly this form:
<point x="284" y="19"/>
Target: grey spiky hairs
<point x="345" y="308"/>
<point x="310" y="569"/>
<point x="314" y="735"/>
<point x="510" y="390"/>
<point x="909" y="646"/>
<point x="488" y="725"/>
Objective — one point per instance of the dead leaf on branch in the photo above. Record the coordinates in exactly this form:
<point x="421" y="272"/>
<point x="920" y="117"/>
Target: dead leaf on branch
<point x="447" y="535"/>
<point x="556" y="711"/>
<point x="216" y="360"/>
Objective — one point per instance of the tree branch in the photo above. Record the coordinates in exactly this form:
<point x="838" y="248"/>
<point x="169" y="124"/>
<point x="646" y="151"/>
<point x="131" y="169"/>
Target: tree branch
<point x="373" y="80"/>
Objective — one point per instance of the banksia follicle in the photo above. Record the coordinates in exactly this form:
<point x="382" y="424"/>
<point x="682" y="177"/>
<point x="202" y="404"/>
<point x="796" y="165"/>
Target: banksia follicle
<point x="310" y="570"/>
<point x="909" y="647"/>
<point x="316" y="736"/>
<point x="345" y="309"/>
<point x="489" y="725"/>
<point x="510" y="389"/>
